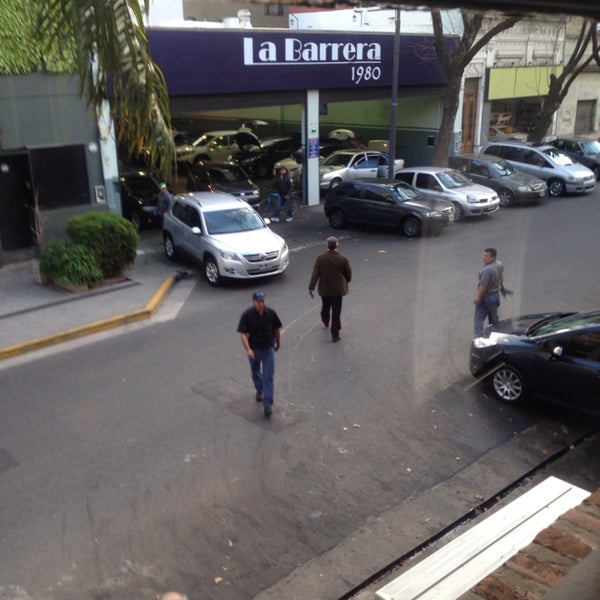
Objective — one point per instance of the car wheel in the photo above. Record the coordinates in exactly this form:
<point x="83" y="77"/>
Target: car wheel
<point x="556" y="188"/>
<point x="334" y="183"/>
<point x="169" y="247"/>
<point x="459" y="213"/>
<point x="337" y="219"/>
<point x="211" y="271"/>
<point x="596" y="170"/>
<point x="509" y="385"/>
<point x="507" y="198"/>
<point x="411" y="227"/>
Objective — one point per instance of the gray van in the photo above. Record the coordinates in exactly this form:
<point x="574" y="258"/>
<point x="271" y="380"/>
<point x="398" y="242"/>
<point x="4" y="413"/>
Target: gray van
<point x="559" y="171"/>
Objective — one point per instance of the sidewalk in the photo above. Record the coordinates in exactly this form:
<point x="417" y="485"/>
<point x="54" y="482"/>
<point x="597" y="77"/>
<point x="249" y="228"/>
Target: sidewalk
<point x="34" y="316"/>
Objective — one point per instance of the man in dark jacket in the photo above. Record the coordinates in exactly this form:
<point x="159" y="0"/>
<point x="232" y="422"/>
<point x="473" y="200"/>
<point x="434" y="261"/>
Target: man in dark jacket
<point x="284" y="189"/>
<point x="333" y="272"/>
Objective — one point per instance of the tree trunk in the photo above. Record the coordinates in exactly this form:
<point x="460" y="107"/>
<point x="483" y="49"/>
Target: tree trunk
<point x="442" y="147"/>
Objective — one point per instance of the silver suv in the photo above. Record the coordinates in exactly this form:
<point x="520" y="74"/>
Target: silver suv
<point x="559" y="171"/>
<point x="226" y="235"/>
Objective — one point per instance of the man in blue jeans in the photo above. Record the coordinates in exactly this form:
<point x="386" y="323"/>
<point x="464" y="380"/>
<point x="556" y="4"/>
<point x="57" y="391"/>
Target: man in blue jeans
<point x="259" y="328"/>
<point x="489" y="288"/>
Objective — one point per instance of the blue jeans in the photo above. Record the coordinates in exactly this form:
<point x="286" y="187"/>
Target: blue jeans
<point x="263" y="380"/>
<point x="283" y="202"/>
<point x="487" y="307"/>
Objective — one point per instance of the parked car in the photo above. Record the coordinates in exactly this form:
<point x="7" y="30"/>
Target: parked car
<point x="390" y="204"/>
<point x="139" y="199"/>
<point x="469" y="199"/>
<point x="214" y="146"/>
<point x="505" y="132"/>
<point x="555" y="356"/>
<point x="260" y="160"/>
<point x="513" y="186"/>
<point x="293" y="163"/>
<point x="224" y="234"/>
<point x="559" y="171"/>
<point x="349" y="165"/>
<point x="223" y="177"/>
<point x="583" y="150"/>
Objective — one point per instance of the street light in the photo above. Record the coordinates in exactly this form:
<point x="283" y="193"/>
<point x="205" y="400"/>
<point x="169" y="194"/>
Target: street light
<point x="394" y="107"/>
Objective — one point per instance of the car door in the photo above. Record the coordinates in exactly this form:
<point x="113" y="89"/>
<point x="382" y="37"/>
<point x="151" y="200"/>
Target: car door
<point x="479" y="172"/>
<point x="573" y="377"/>
<point x="378" y="207"/>
<point x="364" y="166"/>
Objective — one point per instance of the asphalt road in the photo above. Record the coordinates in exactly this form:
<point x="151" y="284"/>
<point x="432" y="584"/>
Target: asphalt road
<point x="146" y="465"/>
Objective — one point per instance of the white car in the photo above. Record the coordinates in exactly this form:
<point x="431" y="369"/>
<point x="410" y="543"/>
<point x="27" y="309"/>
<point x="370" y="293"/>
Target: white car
<point x="224" y="234"/>
<point x="469" y="199"/>
<point x="347" y="165"/>
<point x="215" y="146"/>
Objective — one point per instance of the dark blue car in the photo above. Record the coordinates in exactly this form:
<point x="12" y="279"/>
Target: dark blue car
<point x="554" y="356"/>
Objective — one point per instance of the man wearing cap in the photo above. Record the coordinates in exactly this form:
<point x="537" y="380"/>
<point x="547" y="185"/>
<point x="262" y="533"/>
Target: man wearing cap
<point x="259" y="328"/>
<point x="333" y="272"/>
<point x="164" y="199"/>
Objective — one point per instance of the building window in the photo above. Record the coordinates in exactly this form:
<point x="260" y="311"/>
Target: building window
<point x="274" y="10"/>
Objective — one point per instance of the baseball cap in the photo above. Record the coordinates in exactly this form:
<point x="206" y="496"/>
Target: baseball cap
<point x="163" y="186"/>
<point x="258" y="295"/>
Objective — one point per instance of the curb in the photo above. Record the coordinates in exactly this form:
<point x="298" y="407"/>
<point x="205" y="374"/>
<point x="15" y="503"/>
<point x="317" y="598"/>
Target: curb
<point x="93" y="327"/>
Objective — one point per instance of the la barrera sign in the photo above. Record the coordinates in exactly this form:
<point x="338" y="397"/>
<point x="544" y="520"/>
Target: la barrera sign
<point x="198" y="62"/>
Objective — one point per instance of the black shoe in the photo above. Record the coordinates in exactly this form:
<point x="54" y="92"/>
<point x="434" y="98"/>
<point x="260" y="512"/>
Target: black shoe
<point x="268" y="412"/>
<point x="335" y="338"/>
<point x="259" y="396"/>
<point x="325" y="323"/>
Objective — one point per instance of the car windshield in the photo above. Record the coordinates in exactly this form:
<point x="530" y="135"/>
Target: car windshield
<point x="232" y="220"/>
<point x="141" y="185"/>
<point x="403" y="192"/>
<point x="591" y="147"/>
<point x="337" y="160"/>
<point x="558" y="158"/>
<point x="453" y="179"/>
<point x="502" y="168"/>
<point x="571" y="322"/>
<point x="229" y="174"/>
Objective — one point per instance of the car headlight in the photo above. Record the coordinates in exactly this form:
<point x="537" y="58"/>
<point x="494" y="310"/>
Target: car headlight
<point x="524" y="188"/>
<point x="228" y="255"/>
<point x="433" y="214"/>
<point x="482" y="342"/>
<point x="576" y="179"/>
<point x="471" y="199"/>
<point x="284" y="248"/>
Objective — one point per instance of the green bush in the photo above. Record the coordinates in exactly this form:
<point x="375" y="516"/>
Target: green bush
<point x="111" y="238"/>
<point x="65" y="262"/>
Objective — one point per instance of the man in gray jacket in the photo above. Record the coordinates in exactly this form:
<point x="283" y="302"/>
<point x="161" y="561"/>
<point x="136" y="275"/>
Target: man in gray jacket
<point x="333" y="272"/>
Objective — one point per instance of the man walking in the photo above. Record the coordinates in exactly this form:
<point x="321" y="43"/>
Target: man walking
<point x="489" y="288"/>
<point x="164" y="199"/>
<point x="259" y="328"/>
<point x="333" y="272"/>
<point x="284" y="189"/>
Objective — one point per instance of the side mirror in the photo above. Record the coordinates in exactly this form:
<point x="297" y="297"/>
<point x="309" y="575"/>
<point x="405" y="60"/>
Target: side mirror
<point x="196" y="230"/>
<point x="557" y="352"/>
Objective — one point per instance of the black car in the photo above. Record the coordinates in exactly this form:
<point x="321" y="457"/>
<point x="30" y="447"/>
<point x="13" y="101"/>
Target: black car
<point x="583" y="150"/>
<point x="223" y="177"/>
<point x="555" y="356"/>
<point x="391" y="204"/>
<point x="259" y="160"/>
<point x="139" y="199"/>
<point x="513" y="186"/>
